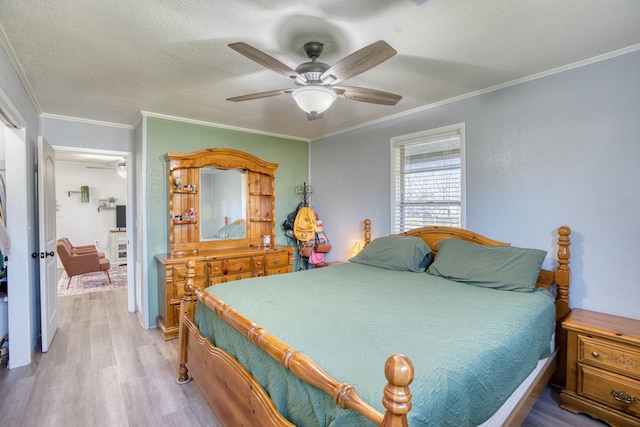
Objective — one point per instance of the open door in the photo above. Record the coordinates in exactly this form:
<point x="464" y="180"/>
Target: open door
<point x="47" y="238"/>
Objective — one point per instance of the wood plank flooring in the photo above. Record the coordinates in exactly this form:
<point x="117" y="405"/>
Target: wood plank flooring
<point x="103" y="369"/>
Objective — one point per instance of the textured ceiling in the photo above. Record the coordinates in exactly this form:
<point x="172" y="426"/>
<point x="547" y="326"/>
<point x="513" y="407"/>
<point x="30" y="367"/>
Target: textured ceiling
<point x="108" y="60"/>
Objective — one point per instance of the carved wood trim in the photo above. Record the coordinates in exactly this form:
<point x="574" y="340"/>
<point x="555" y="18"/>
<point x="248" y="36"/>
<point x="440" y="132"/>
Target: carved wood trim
<point x="222" y="158"/>
<point x="434" y="235"/>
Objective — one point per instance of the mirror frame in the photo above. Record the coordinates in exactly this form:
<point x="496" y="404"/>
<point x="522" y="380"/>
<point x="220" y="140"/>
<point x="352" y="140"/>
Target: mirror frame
<point x="260" y="192"/>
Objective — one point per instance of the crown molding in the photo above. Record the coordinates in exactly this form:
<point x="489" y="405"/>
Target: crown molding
<point x="88" y="121"/>
<point x="515" y="82"/>
<point x="4" y="40"/>
<point x="218" y="125"/>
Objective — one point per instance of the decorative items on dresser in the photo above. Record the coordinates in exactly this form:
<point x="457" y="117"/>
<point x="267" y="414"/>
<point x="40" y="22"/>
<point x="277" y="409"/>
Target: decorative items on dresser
<point x="221" y="215"/>
<point x="603" y="367"/>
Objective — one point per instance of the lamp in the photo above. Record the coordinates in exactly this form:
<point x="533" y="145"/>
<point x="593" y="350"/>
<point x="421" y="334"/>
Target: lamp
<point x="314" y="99"/>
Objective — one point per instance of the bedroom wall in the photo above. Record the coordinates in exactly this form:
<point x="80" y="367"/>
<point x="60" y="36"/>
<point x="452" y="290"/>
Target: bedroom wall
<point x="559" y="150"/>
<point x="68" y="132"/>
<point x="163" y="135"/>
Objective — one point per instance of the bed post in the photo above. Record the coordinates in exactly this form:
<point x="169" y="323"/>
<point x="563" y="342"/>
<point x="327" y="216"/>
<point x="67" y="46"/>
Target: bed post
<point x="563" y="273"/>
<point x="562" y="280"/>
<point x="188" y="310"/>
<point x="397" y="397"/>
<point x="367" y="231"/>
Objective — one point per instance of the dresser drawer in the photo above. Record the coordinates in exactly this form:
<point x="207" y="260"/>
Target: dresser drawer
<point x="216" y="268"/>
<point x="231" y="277"/>
<point x="178" y="287"/>
<point x="611" y="389"/>
<point x="237" y="265"/>
<point x="179" y="271"/>
<point x="277" y="260"/>
<point x="278" y="270"/>
<point x="609" y="355"/>
<point x="216" y="280"/>
<point x="258" y="263"/>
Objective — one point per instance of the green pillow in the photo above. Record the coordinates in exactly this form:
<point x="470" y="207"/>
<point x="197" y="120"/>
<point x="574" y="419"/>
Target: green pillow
<point x="405" y="253"/>
<point x="500" y="267"/>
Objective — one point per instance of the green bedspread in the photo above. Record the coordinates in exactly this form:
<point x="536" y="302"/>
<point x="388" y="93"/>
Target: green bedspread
<point x="470" y="346"/>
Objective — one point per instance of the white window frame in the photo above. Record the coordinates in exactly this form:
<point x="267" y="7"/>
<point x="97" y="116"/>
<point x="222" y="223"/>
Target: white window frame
<point x="422" y="137"/>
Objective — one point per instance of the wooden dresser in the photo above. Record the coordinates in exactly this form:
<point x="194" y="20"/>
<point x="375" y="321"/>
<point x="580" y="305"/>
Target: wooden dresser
<point x="211" y="269"/>
<point x="221" y="209"/>
<point x="603" y="367"/>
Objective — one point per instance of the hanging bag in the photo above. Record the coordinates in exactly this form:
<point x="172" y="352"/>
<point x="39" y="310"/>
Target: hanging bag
<point x="322" y="243"/>
<point x="316" y="258"/>
<point x="305" y="249"/>
<point x="289" y="223"/>
<point x="304" y="227"/>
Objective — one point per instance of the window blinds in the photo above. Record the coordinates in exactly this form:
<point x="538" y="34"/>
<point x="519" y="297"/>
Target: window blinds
<point x="428" y="181"/>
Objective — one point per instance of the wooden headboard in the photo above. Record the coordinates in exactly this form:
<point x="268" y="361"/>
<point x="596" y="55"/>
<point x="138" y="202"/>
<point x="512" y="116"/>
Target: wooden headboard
<point x="560" y="277"/>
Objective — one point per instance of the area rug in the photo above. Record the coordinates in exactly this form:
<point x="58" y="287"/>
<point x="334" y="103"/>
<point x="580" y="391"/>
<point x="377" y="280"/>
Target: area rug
<point x="93" y="282"/>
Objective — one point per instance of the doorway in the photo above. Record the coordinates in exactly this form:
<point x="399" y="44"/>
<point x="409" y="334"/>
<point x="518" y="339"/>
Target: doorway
<point x="92" y="195"/>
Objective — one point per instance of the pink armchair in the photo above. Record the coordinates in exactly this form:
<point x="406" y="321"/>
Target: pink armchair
<point x="80" y="262"/>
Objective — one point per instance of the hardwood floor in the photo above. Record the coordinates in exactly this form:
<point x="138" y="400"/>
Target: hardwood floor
<point x="103" y="369"/>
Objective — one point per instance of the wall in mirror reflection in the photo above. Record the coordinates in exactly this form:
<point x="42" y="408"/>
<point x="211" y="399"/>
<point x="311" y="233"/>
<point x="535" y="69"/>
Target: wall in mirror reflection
<point x="223" y="204"/>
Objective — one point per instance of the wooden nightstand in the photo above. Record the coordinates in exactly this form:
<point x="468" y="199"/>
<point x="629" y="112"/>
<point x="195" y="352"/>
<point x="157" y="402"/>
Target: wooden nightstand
<point x="603" y="367"/>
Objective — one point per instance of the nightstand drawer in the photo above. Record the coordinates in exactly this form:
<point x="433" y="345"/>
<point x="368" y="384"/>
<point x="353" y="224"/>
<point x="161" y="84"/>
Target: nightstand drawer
<point x="606" y="354"/>
<point x="613" y="390"/>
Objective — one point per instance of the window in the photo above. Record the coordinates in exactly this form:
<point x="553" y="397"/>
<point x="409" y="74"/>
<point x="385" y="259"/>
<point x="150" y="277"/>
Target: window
<point x="427" y="179"/>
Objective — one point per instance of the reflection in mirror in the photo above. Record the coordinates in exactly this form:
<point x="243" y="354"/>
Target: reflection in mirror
<point x="223" y="203"/>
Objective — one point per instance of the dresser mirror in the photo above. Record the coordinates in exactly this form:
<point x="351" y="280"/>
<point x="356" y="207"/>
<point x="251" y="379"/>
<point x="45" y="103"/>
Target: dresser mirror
<point x="219" y="198"/>
<point x="223" y="204"/>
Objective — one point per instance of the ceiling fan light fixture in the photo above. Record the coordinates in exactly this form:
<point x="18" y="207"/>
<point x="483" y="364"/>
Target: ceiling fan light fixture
<point x="121" y="169"/>
<point x="314" y="99"/>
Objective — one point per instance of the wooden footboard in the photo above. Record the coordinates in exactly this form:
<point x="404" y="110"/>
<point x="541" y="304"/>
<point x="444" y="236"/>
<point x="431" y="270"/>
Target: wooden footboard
<point x="235" y="395"/>
<point x="230" y="390"/>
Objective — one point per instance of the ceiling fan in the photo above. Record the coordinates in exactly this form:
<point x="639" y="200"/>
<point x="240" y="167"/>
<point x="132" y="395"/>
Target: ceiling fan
<point x="120" y="168"/>
<point x="317" y="82"/>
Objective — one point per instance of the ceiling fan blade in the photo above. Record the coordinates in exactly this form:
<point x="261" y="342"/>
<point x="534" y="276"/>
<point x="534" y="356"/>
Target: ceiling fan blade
<point x="358" y="62"/>
<point x="371" y="96"/>
<point x="314" y="116"/>
<point x="260" y="95"/>
<point x="265" y="60"/>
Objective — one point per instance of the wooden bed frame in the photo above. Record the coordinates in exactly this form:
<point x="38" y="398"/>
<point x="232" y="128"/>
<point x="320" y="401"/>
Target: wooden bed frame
<point x="238" y="399"/>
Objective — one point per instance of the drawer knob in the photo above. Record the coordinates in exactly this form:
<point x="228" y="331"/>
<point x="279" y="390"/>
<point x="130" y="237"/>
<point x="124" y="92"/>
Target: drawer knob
<point x="624" y="397"/>
<point x="595" y="354"/>
<point x="216" y="269"/>
<point x="276" y="261"/>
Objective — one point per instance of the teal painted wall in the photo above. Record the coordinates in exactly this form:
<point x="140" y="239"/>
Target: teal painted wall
<point x="165" y="136"/>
